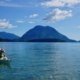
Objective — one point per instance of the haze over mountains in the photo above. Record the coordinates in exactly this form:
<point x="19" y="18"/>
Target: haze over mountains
<point x="37" y="34"/>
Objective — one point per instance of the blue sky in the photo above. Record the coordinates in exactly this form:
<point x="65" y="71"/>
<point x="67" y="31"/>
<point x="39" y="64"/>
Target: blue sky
<point x="18" y="16"/>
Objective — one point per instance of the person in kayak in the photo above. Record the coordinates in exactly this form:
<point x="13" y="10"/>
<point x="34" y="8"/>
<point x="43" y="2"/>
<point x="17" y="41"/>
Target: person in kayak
<point x="2" y="55"/>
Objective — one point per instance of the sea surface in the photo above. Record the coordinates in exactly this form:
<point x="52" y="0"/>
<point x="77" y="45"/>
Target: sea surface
<point x="40" y="61"/>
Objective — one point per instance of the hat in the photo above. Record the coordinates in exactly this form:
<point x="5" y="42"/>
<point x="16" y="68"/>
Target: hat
<point x="1" y="49"/>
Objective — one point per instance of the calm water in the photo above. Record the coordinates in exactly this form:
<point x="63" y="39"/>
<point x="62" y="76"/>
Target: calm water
<point x="41" y="61"/>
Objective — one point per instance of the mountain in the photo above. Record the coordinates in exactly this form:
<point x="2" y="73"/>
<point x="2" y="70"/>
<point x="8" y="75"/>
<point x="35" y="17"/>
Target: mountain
<point x="44" y="34"/>
<point x="4" y="36"/>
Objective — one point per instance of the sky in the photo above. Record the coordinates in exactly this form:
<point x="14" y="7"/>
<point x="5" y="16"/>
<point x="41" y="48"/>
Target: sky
<point x="19" y="16"/>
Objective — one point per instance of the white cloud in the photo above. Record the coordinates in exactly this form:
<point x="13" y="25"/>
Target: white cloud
<point x="31" y="22"/>
<point x="58" y="14"/>
<point x="28" y="19"/>
<point x="5" y="24"/>
<point x="33" y="15"/>
<point x="53" y="3"/>
<point x="71" y="2"/>
<point x="6" y="3"/>
<point x="20" y="21"/>
<point x="60" y="3"/>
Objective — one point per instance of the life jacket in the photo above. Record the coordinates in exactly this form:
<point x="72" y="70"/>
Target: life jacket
<point x="1" y="53"/>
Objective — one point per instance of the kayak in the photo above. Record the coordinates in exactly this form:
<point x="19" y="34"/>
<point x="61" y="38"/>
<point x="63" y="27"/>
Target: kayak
<point x="5" y="62"/>
<point x="4" y="59"/>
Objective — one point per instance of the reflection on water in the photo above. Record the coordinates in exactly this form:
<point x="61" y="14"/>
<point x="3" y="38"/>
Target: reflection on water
<point x="41" y="61"/>
<point x="4" y="69"/>
<point x="5" y="64"/>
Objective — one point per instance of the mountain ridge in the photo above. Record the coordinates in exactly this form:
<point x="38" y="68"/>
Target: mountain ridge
<point x="44" y="33"/>
<point x="5" y="36"/>
<point x="38" y="33"/>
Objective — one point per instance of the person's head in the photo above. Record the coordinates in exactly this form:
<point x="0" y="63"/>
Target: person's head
<point x="1" y="50"/>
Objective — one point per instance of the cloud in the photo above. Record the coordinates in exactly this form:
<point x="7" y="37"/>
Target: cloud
<point x="5" y="24"/>
<point x="28" y="19"/>
<point x="53" y="3"/>
<point x="58" y="14"/>
<point x="33" y="15"/>
<point x="31" y="22"/>
<point x="7" y="3"/>
<point x="71" y="2"/>
<point x="60" y="3"/>
<point x="20" y="21"/>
